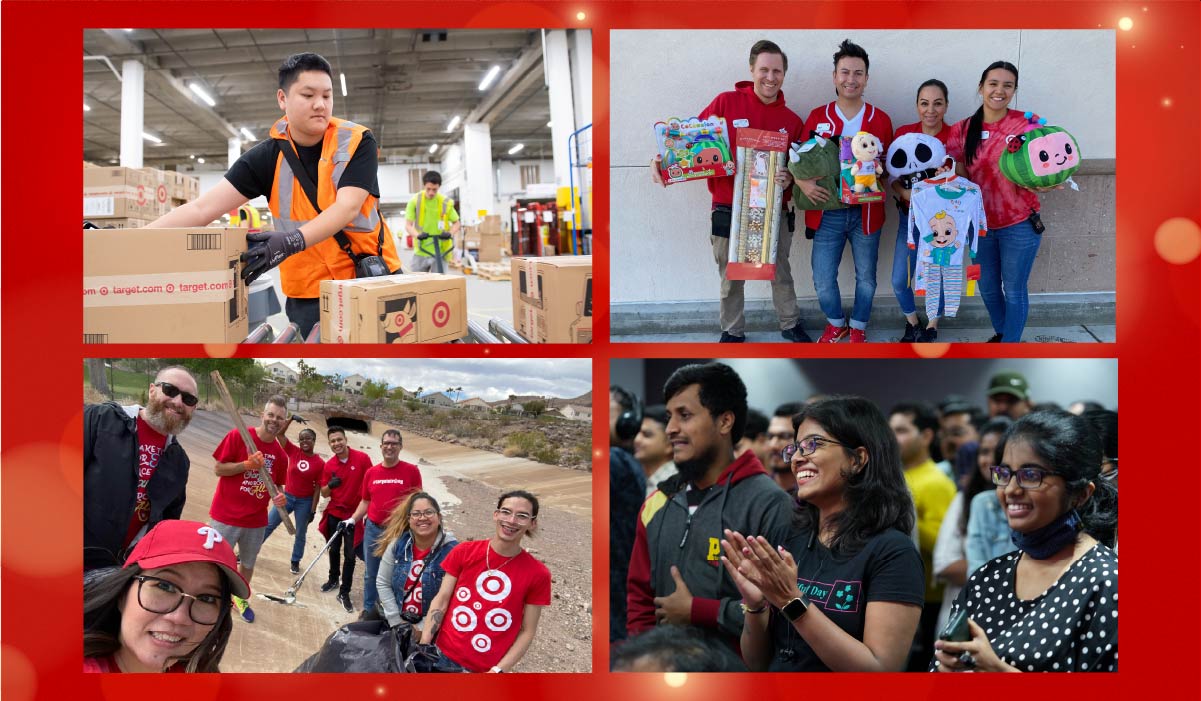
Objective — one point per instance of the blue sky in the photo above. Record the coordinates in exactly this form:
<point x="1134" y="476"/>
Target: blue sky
<point x="489" y="379"/>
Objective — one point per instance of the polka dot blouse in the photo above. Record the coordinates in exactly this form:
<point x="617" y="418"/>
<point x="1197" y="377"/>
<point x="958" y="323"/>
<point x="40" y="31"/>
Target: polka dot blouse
<point x="1071" y="627"/>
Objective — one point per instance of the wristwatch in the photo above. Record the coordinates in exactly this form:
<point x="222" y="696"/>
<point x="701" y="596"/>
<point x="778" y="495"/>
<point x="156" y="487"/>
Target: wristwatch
<point x="796" y="608"/>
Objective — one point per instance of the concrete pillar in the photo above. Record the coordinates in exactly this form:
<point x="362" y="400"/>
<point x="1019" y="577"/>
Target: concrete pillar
<point x="478" y="190"/>
<point x="557" y="60"/>
<point x="133" y="80"/>
<point x="580" y="43"/>
<point x="233" y="151"/>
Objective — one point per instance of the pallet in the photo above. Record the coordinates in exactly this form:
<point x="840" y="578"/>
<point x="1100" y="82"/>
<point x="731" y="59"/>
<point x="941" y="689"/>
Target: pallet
<point x="494" y="271"/>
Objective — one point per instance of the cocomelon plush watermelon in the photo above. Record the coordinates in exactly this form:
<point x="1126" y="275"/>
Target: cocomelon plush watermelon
<point x="1042" y="157"/>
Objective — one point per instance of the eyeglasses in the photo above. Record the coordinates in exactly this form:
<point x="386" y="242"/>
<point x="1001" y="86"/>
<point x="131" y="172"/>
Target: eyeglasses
<point x="172" y="392"/>
<point x="518" y="516"/>
<point x="390" y="444"/>
<point x="164" y="597"/>
<point x="806" y="446"/>
<point x="1028" y="477"/>
<point x="429" y="513"/>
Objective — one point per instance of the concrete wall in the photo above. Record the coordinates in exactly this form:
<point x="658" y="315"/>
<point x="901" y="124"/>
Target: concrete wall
<point x="659" y="237"/>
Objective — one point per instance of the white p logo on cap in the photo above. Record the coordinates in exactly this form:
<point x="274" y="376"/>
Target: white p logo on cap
<point x="210" y="536"/>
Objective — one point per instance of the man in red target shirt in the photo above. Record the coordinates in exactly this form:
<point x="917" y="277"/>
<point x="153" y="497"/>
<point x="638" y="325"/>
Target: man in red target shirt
<point x="342" y="482"/>
<point x="384" y="487"/>
<point x="494" y="591"/>
<point x="239" y="509"/>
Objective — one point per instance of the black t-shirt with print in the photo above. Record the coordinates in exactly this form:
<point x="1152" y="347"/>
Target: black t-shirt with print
<point x="1071" y="627"/>
<point x="888" y="568"/>
<point x="253" y="174"/>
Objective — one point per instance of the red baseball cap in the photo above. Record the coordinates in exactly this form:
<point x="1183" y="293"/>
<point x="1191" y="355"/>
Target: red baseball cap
<point x="175" y="542"/>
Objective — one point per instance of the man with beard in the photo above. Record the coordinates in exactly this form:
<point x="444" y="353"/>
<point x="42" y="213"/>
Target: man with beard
<point x="240" y="504"/>
<point x="779" y="435"/>
<point x="300" y="490"/>
<point x="676" y="576"/>
<point x="135" y="472"/>
<point x="914" y="425"/>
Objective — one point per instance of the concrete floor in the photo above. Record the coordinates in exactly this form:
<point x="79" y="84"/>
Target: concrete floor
<point x="485" y="298"/>
<point x="1045" y="334"/>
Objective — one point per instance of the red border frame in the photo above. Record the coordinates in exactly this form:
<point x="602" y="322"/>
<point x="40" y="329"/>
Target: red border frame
<point x="1157" y="342"/>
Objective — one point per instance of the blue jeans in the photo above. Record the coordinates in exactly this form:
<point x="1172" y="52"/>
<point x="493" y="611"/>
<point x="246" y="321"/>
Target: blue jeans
<point x="838" y="227"/>
<point x="1006" y="256"/>
<point x="902" y="274"/>
<point x="302" y="509"/>
<point x="371" y="534"/>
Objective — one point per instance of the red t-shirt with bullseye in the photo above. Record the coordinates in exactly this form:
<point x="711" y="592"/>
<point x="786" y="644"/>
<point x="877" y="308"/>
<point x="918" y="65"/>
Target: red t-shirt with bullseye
<point x="304" y="472"/>
<point x="412" y="600"/>
<point x="242" y="499"/>
<point x="345" y="498"/>
<point x="385" y="487"/>
<point x="150" y="450"/>
<point x="486" y="609"/>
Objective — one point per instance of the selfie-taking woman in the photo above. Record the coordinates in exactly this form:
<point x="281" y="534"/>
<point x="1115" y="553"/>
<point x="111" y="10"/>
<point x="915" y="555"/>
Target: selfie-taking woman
<point x="845" y="592"/>
<point x="1052" y="605"/>
<point x="411" y="549"/>
<point x="167" y="609"/>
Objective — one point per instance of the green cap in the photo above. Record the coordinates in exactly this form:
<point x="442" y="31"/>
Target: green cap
<point x="1009" y="382"/>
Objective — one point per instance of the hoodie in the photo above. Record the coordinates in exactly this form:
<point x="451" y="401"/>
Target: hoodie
<point x="741" y="107"/>
<point x="744" y="499"/>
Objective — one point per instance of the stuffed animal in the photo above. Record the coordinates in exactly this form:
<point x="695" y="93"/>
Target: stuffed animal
<point x="815" y="158"/>
<point x="1044" y="156"/>
<point x="866" y="168"/>
<point x="915" y="157"/>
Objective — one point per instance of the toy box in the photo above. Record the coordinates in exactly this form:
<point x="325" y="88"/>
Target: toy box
<point x="755" y="216"/>
<point x="693" y="149"/>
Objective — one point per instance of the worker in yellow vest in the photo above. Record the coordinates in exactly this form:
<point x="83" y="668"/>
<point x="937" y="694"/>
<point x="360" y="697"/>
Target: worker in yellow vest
<point x="428" y="215"/>
<point x="337" y="160"/>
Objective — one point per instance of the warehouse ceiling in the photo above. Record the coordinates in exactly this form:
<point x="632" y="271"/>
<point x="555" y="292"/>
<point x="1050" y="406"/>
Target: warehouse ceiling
<point x="405" y="84"/>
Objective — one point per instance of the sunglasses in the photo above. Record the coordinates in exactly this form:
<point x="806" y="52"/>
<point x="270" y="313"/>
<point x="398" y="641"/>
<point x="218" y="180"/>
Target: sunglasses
<point x="172" y="392"/>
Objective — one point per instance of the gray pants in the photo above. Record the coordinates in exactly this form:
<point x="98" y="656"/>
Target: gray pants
<point x="783" y="292"/>
<point x="248" y="541"/>
<point x="426" y="264"/>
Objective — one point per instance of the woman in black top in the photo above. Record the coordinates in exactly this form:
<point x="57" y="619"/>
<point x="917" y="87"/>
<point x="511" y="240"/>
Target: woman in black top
<point x="1052" y="605"/>
<point x="846" y="591"/>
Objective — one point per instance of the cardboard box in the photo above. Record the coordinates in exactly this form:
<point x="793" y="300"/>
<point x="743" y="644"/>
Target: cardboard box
<point x="123" y="223"/>
<point x="490" y="225"/>
<point x="163" y="183"/>
<point x="119" y="193"/>
<point x="552" y="299"/>
<point x="491" y="247"/>
<point x="408" y="308"/>
<point x="163" y="286"/>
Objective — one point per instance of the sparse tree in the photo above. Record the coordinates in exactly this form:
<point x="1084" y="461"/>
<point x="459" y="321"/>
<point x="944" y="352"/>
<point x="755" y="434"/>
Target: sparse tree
<point x="535" y="407"/>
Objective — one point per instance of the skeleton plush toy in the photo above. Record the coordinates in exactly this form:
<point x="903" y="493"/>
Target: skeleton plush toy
<point x="914" y="157"/>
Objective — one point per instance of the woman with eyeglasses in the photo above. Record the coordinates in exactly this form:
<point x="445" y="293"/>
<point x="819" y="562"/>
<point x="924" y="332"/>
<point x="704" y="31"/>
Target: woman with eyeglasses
<point x="492" y="593"/>
<point x="845" y="592"/>
<point x="411" y="549"/>
<point x="168" y="608"/>
<point x="1050" y="606"/>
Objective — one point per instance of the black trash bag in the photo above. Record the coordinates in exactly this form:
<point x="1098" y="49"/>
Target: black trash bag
<point x="362" y="646"/>
<point x="428" y="658"/>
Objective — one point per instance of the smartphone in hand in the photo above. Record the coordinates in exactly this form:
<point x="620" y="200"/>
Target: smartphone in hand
<point x="956" y="629"/>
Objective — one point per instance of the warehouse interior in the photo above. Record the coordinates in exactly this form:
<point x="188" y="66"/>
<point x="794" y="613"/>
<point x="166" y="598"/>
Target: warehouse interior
<point x="504" y="115"/>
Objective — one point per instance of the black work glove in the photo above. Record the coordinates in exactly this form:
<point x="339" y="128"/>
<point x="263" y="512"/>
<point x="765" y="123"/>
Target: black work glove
<point x="298" y="417"/>
<point x="267" y="249"/>
<point x="334" y="482"/>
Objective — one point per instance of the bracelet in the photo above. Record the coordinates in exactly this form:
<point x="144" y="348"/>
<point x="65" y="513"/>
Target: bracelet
<point x="746" y="609"/>
<point x="496" y="670"/>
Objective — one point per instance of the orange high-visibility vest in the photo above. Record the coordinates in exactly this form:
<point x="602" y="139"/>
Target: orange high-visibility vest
<point x="302" y="273"/>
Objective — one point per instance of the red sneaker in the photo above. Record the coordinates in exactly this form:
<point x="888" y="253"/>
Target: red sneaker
<point x="858" y="336"/>
<point x="833" y="334"/>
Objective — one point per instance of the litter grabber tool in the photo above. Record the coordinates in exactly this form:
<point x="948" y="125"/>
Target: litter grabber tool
<point x="289" y="596"/>
<point x="251" y="449"/>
